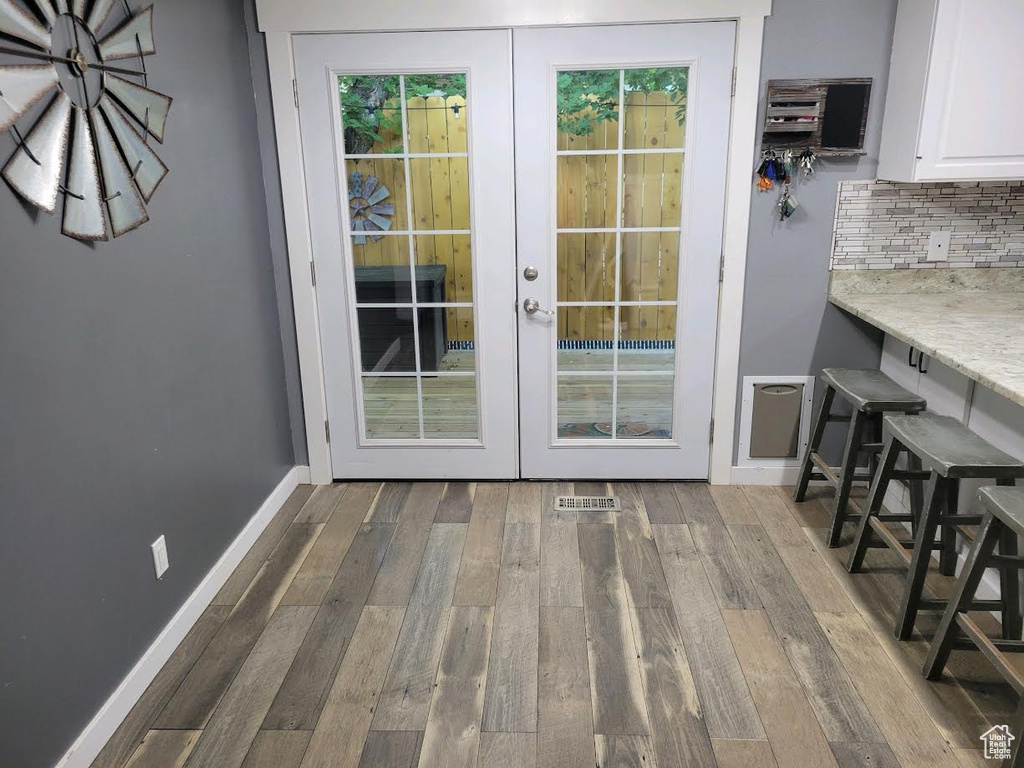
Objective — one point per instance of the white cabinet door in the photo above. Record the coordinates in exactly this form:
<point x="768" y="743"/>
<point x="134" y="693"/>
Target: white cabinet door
<point x="974" y="110"/>
<point x="945" y="390"/>
<point x="955" y="99"/>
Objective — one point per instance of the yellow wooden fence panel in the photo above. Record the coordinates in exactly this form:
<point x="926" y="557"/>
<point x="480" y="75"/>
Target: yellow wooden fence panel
<point x="586" y="198"/>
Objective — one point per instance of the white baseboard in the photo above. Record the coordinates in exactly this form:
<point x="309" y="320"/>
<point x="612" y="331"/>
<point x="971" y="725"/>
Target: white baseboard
<point x="764" y="475"/>
<point x="89" y="743"/>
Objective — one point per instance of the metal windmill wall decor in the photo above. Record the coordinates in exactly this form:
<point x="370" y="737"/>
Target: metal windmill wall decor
<point x="111" y="171"/>
<point x="367" y="208"/>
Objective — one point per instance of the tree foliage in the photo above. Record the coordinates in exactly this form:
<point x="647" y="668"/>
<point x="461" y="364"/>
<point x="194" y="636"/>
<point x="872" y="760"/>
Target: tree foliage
<point x="370" y="108"/>
<point x="587" y="98"/>
<point x="369" y="104"/>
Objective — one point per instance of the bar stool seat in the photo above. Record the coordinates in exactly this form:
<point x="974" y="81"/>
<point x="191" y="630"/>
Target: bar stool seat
<point x="950" y="451"/>
<point x="1004" y="516"/>
<point x="871" y="393"/>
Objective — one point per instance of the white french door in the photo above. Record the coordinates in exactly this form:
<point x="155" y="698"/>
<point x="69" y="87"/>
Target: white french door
<point x="589" y="355"/>
<point x="621" y="148"/>
<point x="407" y="150"/>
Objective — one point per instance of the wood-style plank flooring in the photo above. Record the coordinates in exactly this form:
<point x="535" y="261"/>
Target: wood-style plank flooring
<point x="470" y="624"/>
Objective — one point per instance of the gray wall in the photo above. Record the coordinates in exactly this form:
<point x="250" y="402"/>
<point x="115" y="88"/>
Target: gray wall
<point x="788" y="326"/>
<point x="142" y="392"/>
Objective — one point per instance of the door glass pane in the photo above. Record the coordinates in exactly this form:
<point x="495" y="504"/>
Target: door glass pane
<point x="440" y="192"/>
<point x="446" y="339"/>
<point x="448" y="259"/>
<point x="644" y="406"/>
<point x="650" y="266"/>
<point x="391" y="408"/>
<point x="387" y="340"/>
<point x="376" y="196"/>
<point x="406" y="147"/>
<point x="655" y="108"/>
<point x="651" y="189"/>
<point x="450" y="408"/>
<point x="588" y="109"/>
<point x="586" y="339"/>
<point x="586" y="186"/>
<point x="371" y="114"/>
<point x="586" y="266"/>
<point x="616" y="352"/>
<point x="382" y="271"/>
<point x="436" y="109"/>
<point x="584" y="407"/>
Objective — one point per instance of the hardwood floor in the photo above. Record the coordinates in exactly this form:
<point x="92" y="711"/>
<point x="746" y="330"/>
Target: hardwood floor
<point x="470" y="624"/>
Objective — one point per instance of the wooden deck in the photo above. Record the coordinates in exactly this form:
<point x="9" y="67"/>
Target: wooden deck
<point x="467" y="624"/>
<point x="450" y="403"/>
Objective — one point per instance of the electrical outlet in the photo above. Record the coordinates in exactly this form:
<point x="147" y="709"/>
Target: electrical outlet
<point x="160" y="561"/>
<point x="938" y="245"/>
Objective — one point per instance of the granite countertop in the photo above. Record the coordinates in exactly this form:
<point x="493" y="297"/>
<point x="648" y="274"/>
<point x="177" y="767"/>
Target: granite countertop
<point x="969" y="319"/>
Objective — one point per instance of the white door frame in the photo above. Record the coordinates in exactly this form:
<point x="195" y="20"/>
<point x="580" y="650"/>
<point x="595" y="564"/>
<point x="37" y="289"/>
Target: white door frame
<point x="280" y="21"/>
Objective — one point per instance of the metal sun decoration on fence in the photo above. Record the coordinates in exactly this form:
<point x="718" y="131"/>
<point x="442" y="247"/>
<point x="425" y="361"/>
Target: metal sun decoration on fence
<point x="112" y="171"/>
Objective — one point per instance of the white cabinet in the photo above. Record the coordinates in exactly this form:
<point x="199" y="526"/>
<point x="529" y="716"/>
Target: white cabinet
<point x="954" y="107"/>
<point x="896" y="358"/>
<point x="947" y="391"/>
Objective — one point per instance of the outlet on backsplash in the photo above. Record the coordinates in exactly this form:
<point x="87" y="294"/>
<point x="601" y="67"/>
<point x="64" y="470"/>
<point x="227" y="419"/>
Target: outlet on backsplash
<point x="938" y="245"/>
<point x="887" y="225"/>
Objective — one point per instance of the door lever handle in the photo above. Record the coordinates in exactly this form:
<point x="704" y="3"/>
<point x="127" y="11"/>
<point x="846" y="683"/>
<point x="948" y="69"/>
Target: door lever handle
<point x="531" y="307"/>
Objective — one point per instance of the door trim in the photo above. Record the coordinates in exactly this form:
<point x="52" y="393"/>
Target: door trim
<point x="281" y="21"/>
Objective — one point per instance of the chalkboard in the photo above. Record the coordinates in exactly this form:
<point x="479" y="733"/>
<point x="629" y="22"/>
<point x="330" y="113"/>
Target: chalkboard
<point x="846" y="105"/>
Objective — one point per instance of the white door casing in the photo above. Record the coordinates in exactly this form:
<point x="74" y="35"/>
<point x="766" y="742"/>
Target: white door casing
<point x="281" y="24"/>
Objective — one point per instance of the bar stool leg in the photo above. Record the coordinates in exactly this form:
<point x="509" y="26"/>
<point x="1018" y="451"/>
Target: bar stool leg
<point x="935" y="498"/>
<point x="1016" y="759"/>
<point x="947" y="555"/>
<point x="854" y="439"/>
<point x="874" y="503"/>
<point x="1009" y="583"/>
<point x="942" y="644"/>
<point x="916" y="489"/>
<point x="814" y="443"/>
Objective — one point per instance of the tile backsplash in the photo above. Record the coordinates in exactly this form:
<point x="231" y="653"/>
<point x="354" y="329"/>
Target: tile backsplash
<point x="886" y="225"/>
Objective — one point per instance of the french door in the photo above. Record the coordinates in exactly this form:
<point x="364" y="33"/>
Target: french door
<point x="407" y="147"/>
<point x="621" y="146"/>
<point x="591" y="353"/>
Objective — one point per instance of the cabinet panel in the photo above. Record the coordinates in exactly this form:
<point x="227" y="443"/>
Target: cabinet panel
<point x="945" y="390"/>
<point x="975" y="105"/>
<point x="954" y="103"/>
<point x="895" y="365"/>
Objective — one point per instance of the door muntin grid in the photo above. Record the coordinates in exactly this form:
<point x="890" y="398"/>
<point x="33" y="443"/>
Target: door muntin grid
<point x="409" y="256"/>
<point x="618" y="253"/>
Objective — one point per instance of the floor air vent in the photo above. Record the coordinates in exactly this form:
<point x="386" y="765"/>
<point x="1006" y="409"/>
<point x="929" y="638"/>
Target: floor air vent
<point x="574" y="503"/>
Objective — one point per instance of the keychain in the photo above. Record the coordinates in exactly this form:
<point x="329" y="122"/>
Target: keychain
<point x="807" y="159"/>
<point x="766" y="171"/>
<point x="787" y="203"/>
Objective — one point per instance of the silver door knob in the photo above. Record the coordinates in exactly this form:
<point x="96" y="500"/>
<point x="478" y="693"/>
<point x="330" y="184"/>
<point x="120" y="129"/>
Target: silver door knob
<point x="531" y="306"/>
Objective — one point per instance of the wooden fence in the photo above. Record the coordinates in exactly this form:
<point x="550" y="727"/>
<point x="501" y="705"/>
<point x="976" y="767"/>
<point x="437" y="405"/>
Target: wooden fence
<point x="586" y="198"/>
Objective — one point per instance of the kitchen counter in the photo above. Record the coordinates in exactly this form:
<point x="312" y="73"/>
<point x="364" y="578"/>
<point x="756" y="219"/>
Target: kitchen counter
<point x="969" y="319"/>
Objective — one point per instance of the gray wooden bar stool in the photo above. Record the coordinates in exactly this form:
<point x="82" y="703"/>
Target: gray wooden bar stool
<point x="871" y="393"/>
<point x="1004" y="518"/>
<point x="951" y="452"/>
